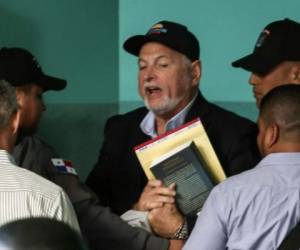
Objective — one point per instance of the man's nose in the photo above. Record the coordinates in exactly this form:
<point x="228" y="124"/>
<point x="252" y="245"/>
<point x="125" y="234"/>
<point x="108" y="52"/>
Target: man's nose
<point x="254" y="79"/>
<point x="150" y="74"/>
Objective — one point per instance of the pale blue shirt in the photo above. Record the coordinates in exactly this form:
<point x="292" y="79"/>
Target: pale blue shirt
<point x="148" y="123"/>
<point x="253" y="210"/>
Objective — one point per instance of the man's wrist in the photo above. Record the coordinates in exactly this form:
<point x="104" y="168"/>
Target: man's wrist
<point x="182" y="232"/>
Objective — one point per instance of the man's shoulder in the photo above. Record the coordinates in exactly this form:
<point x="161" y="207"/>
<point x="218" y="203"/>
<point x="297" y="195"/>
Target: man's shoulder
<point x="29" y="181"/>
<point x="124" y="129"/>
<point x="33" y="153"/>
<point x="249" y="179"/>
<point x="227" y="116"/>
<point x="34" y="142"/>
<point x="127" y="120"/>
<point x="223" y="126"/>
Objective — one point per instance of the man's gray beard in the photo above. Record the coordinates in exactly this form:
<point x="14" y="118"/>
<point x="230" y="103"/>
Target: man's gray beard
<point x="167" y="105"/>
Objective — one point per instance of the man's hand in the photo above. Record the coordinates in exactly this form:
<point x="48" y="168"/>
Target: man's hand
<point x="165" y="221"/>
<point x="155" y="195"/>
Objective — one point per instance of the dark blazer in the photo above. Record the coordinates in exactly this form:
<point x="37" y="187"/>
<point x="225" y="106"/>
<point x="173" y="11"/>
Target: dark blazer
<point x="118" y="178"/>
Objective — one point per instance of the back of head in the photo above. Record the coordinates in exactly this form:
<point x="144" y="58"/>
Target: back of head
<point x="8" y="103"/>
<point x="282" y="107"/>
<point x="39" y="234"/>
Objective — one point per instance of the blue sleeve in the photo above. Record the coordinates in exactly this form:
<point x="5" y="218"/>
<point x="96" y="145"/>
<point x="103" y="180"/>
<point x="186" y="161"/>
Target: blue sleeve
<point x="210" y="229"/>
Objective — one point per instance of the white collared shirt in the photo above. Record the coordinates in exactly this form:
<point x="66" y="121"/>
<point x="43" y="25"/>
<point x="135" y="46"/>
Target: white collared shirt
<point x="24" y="194"/>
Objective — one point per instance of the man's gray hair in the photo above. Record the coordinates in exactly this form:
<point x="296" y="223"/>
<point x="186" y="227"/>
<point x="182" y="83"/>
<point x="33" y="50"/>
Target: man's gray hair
<point x="8" y="103"/>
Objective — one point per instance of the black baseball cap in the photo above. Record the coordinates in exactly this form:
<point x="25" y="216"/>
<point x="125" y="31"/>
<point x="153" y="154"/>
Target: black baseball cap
<point x="19" y="67"/>
<point x="170" y="34"/>
<point x="278" y="42"/>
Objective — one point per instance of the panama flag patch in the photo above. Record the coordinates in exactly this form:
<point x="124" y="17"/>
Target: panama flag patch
<point x="63" y="166"/>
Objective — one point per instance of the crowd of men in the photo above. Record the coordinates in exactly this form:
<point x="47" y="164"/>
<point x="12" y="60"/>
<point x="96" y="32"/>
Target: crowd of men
<point x="254" y="208"/>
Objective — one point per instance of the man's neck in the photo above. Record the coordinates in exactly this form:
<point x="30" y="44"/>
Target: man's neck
<point x="6" y="144"/>
<point x="160" y="125"/>
<point x="284" y="147"/>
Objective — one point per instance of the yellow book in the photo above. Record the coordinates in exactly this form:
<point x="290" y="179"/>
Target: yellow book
<point x="186" y="157"/>
<point x="192" y="131"/>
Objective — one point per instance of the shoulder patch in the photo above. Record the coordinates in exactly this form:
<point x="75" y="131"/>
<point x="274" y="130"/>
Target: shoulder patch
<point x="63" y="166"/>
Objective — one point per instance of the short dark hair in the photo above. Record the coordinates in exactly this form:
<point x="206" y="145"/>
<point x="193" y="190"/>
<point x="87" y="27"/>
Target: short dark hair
<point x="39" y="233"/>
<point x="8" y="103"/>
<point x="282" y="106"/>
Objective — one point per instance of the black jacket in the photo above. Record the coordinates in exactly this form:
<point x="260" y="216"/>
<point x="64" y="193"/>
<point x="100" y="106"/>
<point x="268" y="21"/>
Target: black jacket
<point x="118" y="177"/>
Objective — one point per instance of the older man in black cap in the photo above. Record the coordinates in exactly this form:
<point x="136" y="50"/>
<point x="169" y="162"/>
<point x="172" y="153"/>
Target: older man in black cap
<point x="169" y="74"/>
<point x="100" y="227"/>
<point x="275" y="59"/>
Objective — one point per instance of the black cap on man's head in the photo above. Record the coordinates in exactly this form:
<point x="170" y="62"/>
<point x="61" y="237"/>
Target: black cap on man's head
<point x="278" y="42"/>
<point x="19" y="67"/>
<point x="170" y="34"/>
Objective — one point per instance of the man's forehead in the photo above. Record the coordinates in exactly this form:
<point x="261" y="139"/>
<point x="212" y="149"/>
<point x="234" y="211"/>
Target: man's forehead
<point x="156" y="51"/>
<point x="155" y="58"/>
<point x="154" y="47"/>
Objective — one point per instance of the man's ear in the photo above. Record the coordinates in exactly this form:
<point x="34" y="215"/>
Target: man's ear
<point x="196" y="72"/>
<point x="295" y="73"/>
<point x="15" y="122"/>
<point x="272" y="136"/>
<point x="20" y="94"/>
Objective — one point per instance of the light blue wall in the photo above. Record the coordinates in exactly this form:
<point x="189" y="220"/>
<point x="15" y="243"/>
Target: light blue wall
<point x="74" y="39"/>
<point x="227" y="30"/>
